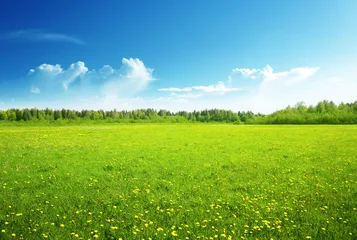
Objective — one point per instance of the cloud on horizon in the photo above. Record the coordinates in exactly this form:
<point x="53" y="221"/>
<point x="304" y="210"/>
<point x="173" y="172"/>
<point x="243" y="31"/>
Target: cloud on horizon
<point x="219" y="88"/>
<point x="130" y="79"/>
<point x="259" y="90"/>
<point x="267" y="73"/>
<point x="40" y="35"/>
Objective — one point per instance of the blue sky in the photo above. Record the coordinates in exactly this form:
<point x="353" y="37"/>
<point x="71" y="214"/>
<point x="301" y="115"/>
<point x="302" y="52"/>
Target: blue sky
<point x="177" y="55"/>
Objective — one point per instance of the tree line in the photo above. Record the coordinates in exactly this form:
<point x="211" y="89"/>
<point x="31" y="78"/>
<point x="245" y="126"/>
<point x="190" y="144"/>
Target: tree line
<point x="325" y="112"/>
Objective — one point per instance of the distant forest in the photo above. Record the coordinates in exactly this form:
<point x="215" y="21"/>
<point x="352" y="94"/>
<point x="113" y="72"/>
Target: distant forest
<point x="325" y="112"/>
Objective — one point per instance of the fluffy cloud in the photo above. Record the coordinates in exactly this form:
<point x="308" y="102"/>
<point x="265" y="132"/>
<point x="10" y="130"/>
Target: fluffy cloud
<point x="246" y="72"/>
<point x="73" y="72"/>
<point x="269" y="90"/>
<point x="47" y="75"/>
<point x="131" y="78"/>
<point x="276" y="90"/>
<point x="108" y="88"/>
<point x="267" y="73"/>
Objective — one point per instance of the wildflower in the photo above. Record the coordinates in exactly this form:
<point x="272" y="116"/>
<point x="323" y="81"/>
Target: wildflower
<point x="308" y="237"/>
<point x="159" y="229"/>
<point x="174" y="233"/>
<point x="62" y="225"/>
<point x="3" y="230"/>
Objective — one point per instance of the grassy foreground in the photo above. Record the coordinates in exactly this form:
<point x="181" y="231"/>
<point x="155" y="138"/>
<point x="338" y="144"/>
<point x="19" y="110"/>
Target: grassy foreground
<point x="178" y="181"/>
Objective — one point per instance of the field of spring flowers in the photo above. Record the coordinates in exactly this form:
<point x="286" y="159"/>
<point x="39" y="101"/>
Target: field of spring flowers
<point x="178" y="182"/>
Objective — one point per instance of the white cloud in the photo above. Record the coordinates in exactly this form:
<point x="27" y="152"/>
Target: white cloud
<point x="186" y="89"/>
<point x="136" y="70"/>
<point x="106" y="71"/>
<point x="74" y="71"/>
<point x="246" y="72"/>
<point x="131" y="78"/>
<point x="277" y="90"/>
<point x="50" y="76"/>
<point x="268" y="92"/>
<point x="40" y="35"/>
<point x="294" y="75"/>
<point x="109" y="88"/>
<point x="35" y="90"/>
<point x="218" y="88"/>
<point x="267" y="74"/>
<point x="54" y="69"/>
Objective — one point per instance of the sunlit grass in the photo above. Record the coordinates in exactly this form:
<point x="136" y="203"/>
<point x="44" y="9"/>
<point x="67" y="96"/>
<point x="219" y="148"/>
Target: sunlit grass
<point x="178" y="181"/>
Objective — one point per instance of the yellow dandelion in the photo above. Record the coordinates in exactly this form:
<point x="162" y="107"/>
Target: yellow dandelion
<point x="3" y="230"/>
<point x="159" y="229"/>
<point x="308" y="237"/>
<point x="14" y="234"/>
<point x="174" y="233"/>
<point x="62" y="225"/>
<point x="96" y="236"/>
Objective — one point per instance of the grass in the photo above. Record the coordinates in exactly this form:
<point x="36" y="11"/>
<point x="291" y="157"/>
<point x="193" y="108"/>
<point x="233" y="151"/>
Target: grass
<point x="178" y="181"/>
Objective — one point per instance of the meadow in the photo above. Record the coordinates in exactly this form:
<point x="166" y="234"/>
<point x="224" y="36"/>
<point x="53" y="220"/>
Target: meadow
<point x="178" y="181"/>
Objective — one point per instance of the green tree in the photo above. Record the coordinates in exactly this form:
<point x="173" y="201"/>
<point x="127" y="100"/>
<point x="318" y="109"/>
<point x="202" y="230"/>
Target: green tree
<point x="3" y="115"/>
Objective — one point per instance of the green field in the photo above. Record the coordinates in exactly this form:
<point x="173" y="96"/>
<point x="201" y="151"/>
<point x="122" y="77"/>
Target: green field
<point x="195" y="181"/>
